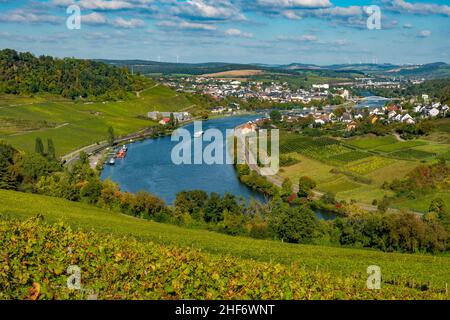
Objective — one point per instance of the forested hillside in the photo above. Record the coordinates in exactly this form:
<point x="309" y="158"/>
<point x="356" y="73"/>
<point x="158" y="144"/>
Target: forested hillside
<point x="23" y="73"/>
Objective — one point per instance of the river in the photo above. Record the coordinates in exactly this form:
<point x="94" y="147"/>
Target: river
<point x="372" y="102"/>
<point x="148" y="166"/>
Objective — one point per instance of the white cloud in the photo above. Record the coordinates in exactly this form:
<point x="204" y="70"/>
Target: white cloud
<point x="425" y="33"/>
<point x="22" y="16"/>
<point x="128" y="24"/>
<point x="196" y="26"/>
<point x="294" y="3"/>
<point x="105" y="4"/>
<point x="94" y="18"/>
<point x="238" y="33"/>
<point x="418" y="8"/>
<point x="303" y="38"/>
<point x="290" y="14"/>
<point x="187" y="25"/>
<point x="203" y="9"/>
<point x="408" y="26"/>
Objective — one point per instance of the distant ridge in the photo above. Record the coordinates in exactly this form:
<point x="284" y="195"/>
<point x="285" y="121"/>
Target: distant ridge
<point x="434" y="70"/>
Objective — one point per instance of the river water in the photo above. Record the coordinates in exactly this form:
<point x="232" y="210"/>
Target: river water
<point x="148" y="166"/>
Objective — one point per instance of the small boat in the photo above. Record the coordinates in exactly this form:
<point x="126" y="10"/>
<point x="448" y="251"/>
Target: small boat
<point x="112" y="161"/>
<point x="124" y="148"/>
<point x="122" y="153"/>
<point x="198" y="134"/>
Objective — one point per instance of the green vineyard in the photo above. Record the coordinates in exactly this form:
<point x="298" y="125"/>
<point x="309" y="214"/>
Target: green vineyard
<point x="39" y="262"/>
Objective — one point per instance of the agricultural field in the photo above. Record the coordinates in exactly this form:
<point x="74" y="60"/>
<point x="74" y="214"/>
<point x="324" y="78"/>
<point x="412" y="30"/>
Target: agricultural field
<point x="100" y="239"/>
<point x="73" y="125"/>
<point x="412" y="154"/>
<point x="349" y="156"/>
<point x="356" y="168"/>
<point x="368" y="143"/>
<point x="235" y="73"/>
<point x="388" y="148"/>
<point x="324" y="149"/>
<point x="339" y="185"/>
<point x="367" y="165"/>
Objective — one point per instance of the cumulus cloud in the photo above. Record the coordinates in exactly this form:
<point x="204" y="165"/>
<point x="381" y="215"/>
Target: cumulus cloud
<point x="94" y="18"/>
<point x="238" y="33"/>
<point x="105" y="5"/>
<point x="294" y="3"/>
<point x="23" y="16"/>
<point x="207" y="10"/>
<point x="196" y="26"/>
<point x="408" y="26"/>
<point x="128" y="24"/>
<point x="186" y="25"/>
<point x="417" y="8"/>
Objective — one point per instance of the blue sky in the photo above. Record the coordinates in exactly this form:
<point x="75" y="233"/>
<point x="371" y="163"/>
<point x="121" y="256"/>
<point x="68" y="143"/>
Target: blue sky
<point x="258" y="31"/>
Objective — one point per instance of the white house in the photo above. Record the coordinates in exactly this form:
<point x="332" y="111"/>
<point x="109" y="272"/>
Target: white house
<point x="321" y="86"/>
<point x="319" y="121"/>
<point x="418" y="108"/>
<point x="434" y="112"/>
<point x="408" y="119"/>
<point x="392" y="114"/>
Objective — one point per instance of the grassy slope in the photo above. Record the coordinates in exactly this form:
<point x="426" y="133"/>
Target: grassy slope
<point x="338" y="261"/>
<point x="77" y="124"/>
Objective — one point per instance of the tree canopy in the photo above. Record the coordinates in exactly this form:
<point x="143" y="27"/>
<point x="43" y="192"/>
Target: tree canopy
<point x="23" y="73"/>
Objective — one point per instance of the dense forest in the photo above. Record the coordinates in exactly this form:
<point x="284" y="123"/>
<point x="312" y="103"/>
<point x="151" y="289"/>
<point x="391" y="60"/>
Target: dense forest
<point x="24" y="73"/>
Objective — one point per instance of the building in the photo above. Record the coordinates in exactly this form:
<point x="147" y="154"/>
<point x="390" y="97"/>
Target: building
<point x="180" y="116"/>
<point x="351" y="126"/>
<point x="248" y="128"/>
<point x="434" y="112"/>
<point x="325" y="86"/>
